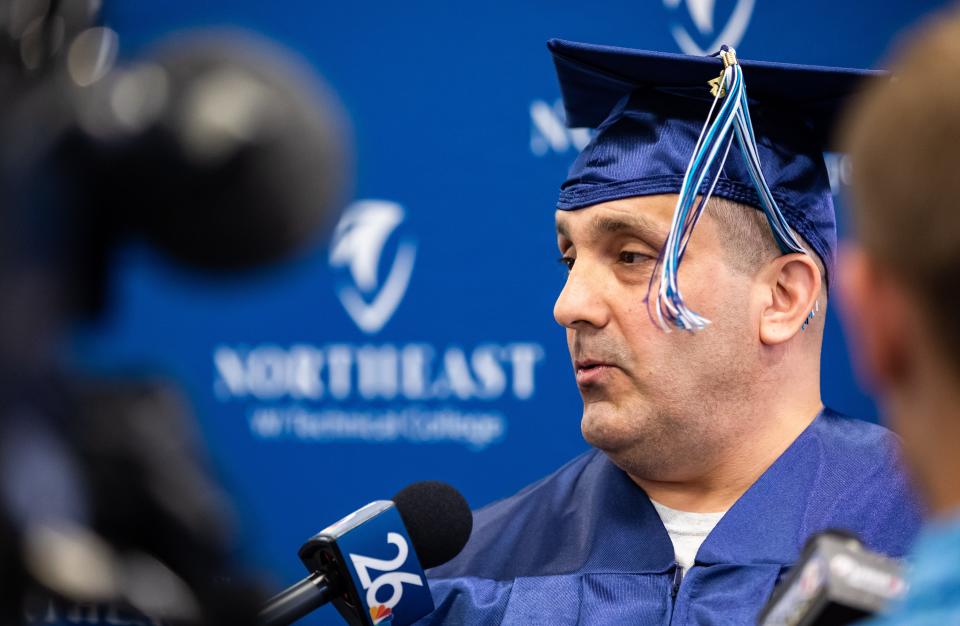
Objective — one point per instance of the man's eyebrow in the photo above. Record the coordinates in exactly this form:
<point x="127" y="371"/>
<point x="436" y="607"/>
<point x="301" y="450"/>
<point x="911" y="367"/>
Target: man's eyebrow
<point x="562" y="229"/>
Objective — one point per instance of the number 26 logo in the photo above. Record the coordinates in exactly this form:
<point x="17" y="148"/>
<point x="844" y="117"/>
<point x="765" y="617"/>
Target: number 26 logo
<point x="390" y="577"/>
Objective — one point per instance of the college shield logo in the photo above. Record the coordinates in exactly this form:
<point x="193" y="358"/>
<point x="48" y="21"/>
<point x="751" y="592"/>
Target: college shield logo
<point x="702" y="14"/>
<point x="358" y="244"/>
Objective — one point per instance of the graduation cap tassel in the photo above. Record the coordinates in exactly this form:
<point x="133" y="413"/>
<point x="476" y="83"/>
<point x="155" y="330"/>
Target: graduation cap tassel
<point x="670" y="309"/>
<point x="732" y="122"/>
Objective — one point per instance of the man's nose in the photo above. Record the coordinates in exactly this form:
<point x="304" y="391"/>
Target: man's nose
<point x="582" y="300"/>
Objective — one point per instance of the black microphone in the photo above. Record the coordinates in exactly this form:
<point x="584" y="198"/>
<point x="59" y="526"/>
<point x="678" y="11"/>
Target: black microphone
<point x="430" y="515"/>
<point x="837" y="581"/>
<point x="219" y="149"/>
<point x="233" y="155"/>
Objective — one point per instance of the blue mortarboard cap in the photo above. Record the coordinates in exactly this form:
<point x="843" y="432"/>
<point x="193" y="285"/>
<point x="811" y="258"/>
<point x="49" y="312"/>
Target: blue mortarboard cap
<point x="648" y="109"/>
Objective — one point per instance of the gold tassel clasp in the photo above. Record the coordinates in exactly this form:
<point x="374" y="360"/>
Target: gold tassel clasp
<point x="729" y="57"/>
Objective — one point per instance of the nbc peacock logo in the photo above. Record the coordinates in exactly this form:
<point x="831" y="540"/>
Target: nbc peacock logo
<point x="380" y="614"/>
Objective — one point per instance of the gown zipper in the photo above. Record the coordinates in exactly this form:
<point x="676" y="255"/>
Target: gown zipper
<point x="677" y="578"/>
<point x="674" y="589"/>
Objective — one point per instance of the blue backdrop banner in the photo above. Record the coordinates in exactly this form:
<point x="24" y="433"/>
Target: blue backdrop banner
<point x="419" y="342"/>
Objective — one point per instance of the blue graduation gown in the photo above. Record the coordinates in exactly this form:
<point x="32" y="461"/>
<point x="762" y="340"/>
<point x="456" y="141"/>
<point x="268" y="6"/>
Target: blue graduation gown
<point x="586" y="546"/>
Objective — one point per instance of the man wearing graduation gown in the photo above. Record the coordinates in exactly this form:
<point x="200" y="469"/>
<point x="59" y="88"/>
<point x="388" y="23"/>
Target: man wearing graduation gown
<point x="715" y="459"/>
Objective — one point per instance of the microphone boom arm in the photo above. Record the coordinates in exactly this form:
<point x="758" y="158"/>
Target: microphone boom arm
<point x="296" y="601"/>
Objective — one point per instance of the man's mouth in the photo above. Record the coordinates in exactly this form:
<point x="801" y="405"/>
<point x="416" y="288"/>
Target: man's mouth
<point x="590" y="371"/>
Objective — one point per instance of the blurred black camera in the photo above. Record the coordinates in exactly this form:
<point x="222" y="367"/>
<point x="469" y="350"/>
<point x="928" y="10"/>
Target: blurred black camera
<point x="221" y="151"/>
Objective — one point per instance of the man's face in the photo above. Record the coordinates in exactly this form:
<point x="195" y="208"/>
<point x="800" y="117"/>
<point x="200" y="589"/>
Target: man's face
<point x="656" y="402"/>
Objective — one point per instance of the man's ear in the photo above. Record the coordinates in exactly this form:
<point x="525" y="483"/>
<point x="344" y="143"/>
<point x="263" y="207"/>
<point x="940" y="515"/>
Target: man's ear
<point x="791" y="286"/>
<point x="873" y="307"/>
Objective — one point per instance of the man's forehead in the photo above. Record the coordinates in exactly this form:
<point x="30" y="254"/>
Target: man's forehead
<point x="647" y="216"/>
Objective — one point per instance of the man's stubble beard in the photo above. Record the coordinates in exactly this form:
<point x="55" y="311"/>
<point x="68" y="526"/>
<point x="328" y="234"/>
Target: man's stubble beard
<point x="663" y="443"/>
<point x="676" y="430"/>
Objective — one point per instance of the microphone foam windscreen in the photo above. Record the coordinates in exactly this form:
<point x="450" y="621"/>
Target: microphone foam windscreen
<point x="232" y="154"/>
<point x="437" y="518"/>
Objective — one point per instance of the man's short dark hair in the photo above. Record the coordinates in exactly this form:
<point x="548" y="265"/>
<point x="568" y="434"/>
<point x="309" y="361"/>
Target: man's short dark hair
<point x="747" y="237"/>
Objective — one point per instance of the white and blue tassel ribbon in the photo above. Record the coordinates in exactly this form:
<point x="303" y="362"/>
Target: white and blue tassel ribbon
<point x="712" y="148"/>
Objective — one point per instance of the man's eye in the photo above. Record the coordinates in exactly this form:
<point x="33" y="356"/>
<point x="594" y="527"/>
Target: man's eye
<point x="567" y="261"/>
<point x="631" y="258"/>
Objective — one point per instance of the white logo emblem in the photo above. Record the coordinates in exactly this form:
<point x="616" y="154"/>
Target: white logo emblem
<point x="358" y="243"/>
<point x="548" y="129"/>
<point x="391" y="578"/>
<point x="701" y="12"/>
